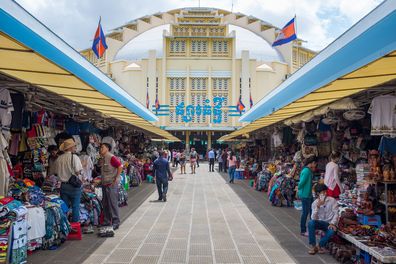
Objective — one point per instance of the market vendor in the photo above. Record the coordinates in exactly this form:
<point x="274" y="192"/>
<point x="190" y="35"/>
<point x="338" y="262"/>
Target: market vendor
<point x="111" y="170"/>
<point x="324" y="217"/>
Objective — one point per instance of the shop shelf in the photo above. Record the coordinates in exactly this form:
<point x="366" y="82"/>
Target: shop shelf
<point x="387" y="204"/>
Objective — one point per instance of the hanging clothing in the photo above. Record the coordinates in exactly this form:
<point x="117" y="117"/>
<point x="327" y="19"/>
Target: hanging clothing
<point x="387" y="145"/>
<point x="87" y="166"/>
<point x="383" y="115"/>
<point x="6" y="107"/>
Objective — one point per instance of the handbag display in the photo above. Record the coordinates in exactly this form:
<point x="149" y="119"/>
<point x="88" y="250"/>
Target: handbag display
<point x="74" y="180"/>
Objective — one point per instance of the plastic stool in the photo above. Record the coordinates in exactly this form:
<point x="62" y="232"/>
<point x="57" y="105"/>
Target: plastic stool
<point x="366" y="257"/>
<point x="75" y="233"/>
<point x="150" y="179"/>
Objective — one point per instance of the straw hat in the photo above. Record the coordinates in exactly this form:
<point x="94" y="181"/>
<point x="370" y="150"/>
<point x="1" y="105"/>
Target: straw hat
<point x="67" y="144"/>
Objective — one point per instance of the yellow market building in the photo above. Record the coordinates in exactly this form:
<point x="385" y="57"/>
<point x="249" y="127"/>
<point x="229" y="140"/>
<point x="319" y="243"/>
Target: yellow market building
<point x="197" y="70"/>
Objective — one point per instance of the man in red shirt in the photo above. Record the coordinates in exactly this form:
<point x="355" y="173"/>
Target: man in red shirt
<point x="110" y="170"/>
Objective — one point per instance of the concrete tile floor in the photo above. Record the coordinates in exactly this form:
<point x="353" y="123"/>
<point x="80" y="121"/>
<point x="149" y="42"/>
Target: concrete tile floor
<point x="204" y="221"/>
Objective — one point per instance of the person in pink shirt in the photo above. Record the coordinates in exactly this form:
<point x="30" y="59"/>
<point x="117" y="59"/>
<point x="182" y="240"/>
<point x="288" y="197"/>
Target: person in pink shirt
<point x="232" y="160"/>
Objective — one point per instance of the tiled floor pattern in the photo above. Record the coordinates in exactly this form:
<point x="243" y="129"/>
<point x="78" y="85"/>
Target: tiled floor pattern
<point x="204" y="221"/>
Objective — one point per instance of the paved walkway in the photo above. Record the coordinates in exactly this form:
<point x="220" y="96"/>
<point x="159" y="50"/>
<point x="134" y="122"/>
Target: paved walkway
<point x="204" y="221"/>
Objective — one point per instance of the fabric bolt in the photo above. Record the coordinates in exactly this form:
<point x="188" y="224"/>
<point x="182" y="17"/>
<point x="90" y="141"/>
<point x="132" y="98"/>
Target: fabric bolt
<point x="36" y="223"/>
<point x="383" y="115"/>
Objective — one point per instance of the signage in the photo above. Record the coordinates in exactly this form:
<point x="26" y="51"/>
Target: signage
<point x="190" y="111"/>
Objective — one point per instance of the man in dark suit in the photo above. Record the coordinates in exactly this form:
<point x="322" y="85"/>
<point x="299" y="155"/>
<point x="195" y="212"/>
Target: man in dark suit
<point x="162" y="175"/>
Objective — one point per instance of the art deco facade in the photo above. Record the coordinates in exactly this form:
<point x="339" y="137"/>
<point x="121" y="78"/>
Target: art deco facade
<point x="198" y="79"/>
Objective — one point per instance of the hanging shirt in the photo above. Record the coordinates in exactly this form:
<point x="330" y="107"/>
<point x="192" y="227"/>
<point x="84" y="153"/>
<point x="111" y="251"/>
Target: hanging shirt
<point x="88" y="166"/>
<point x="6" y="107"/>
<point x="387" y="145"/>
<point x="383" y="115"/>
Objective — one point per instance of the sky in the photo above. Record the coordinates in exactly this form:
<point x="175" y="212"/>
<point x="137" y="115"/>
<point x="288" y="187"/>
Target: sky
<point x="319" y="22"/>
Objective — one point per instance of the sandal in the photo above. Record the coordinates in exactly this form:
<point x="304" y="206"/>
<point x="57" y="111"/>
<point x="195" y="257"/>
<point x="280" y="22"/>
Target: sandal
<point x="313" y="250"/>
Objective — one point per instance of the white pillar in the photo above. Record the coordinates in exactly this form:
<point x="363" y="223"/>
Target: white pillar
<point x="152" y="74"/>
<point x="245" y="75"/>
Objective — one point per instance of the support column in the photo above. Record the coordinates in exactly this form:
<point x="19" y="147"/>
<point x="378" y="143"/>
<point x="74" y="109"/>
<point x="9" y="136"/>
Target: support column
<point x="188" y="140"/>
<point x="209" y="139"/>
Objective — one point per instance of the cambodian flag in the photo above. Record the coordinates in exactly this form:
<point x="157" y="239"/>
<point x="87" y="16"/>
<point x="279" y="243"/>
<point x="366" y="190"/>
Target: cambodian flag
<point x="157" y="104"/>
<point x="286" y="34"/>
<point x="251" y="100"/>
<point x="240" y="105"/>
<point x="99" y="45"/>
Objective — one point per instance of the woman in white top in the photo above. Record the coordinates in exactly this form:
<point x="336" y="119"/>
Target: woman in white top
<point x="332" y="176"/>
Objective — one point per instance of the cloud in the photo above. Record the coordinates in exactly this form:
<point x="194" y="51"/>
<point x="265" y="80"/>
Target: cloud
<point x="319" y="22"/>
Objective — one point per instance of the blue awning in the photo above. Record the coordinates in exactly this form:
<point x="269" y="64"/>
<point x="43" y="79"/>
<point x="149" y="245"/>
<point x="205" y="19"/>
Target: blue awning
<point x="19" y="25"/>
<point x="368" y="40"/>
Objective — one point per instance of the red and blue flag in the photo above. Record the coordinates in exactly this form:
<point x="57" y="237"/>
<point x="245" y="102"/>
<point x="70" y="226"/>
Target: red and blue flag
<point x="286" y="34"/>
<point x="157" y="104"/>
<point x="99" y="45"/>
<point x="251" y="100"/>
<point x="147" y="101"/>
<point x="240" y="105"/>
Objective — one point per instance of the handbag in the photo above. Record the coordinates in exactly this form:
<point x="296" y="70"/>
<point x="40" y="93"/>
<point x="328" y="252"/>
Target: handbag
<point x="74" y="180"/>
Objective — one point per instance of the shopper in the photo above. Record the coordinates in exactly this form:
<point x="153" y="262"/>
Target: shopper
<point x="147" y="169"/>
<point x="182" y="162"/>
<point x="53" y="155"/>
<point x="211" y="156"/>
<point x="66" y="165"/>
<point x="220" y="160"/>
<point x="174" y="157"/>
<point x="324" y="217"/>
<point x="111" y="169"/>
<point x="224" y="157"/>
<point x="232" y="160"/>
<point x="332" y="177"/>
<point x="162" y="174"/>
<point x="193" y="160"/>
<point x="305" y="192"/>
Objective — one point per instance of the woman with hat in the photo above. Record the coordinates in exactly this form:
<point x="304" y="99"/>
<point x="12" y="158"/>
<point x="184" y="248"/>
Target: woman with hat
<point x="66" y="165"/>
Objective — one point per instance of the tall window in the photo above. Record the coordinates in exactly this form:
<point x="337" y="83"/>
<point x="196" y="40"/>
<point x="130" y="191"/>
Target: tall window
<point x="177" y="95"/>
<point x="199" y="87"/>
<point x="221" y="88"/>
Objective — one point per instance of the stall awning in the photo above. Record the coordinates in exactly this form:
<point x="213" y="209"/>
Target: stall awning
<point x="32" y="53"/>
<point x="363" y="57"/>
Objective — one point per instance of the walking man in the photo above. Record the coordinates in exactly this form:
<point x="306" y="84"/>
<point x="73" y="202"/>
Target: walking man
<point x="211" y="156"/>
<point x="111" y="169"/>
<point x="162" y="174"/>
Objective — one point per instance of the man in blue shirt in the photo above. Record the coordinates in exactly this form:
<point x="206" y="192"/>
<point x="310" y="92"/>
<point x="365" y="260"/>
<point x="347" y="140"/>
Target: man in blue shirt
<point x="162" y="174"/>
<point x="211" y="156"/>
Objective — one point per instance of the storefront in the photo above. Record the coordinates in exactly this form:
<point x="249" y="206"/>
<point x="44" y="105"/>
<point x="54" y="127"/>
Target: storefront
<point x="342" y="100"/>
<point x="49" y="93"/>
